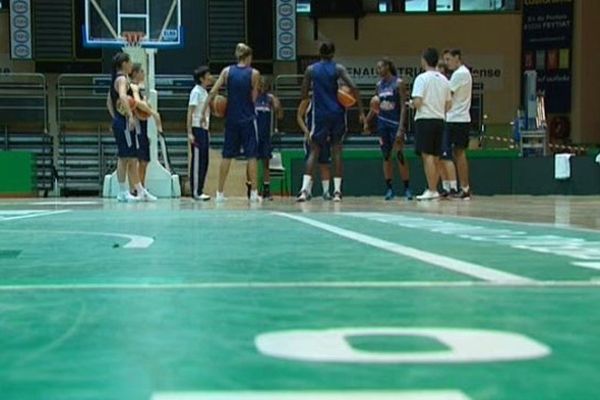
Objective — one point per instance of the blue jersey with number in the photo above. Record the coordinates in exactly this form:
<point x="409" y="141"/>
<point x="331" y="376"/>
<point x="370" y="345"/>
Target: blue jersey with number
<point x="264" y="113"/>
<point x="325" y="77"/>
<point x="240" y="106"/>
<point x="388" y="92"/>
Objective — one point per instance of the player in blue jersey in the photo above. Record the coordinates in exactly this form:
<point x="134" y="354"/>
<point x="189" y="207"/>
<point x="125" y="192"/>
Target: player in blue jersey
<point x="304" y="120"/>
<point x="240" y="119"/>
<point x="123" y="127"/>
<point x="267" y="106"/>
<point x="392" y="94"/>
<point x="329" y="116"/>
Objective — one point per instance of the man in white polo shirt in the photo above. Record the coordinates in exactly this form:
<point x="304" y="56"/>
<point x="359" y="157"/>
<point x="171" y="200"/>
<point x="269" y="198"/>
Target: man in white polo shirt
<point x="459" y="117"/>
<point x="431" y="99"/>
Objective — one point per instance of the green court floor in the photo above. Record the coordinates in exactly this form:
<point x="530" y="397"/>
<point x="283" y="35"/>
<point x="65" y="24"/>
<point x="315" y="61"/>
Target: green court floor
<point x="364" y="300"/>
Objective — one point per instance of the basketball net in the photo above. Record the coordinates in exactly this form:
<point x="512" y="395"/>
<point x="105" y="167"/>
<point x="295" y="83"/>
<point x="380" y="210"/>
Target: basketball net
<point x="133" y="47"/>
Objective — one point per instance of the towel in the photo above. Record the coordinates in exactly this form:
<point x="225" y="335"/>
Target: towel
<point x="562" y="166"/>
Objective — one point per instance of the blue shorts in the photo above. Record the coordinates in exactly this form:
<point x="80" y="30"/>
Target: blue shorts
<point x="238" y="136"/>
<point x="387" y="137"/>
<point x="329" y="129"/>
<point x="126" y="140"/>
<point x="324" y="154"/>
<point x="143" y="143"/>
<point x="265" y="150"/>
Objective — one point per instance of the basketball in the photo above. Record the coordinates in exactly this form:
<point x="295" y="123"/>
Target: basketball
<point x="141" y="115"/>
<point x="345" y="97"/>
<point x="375" y="104"/>
<point x="132" y="105"/>
<point x="219" y="106"/>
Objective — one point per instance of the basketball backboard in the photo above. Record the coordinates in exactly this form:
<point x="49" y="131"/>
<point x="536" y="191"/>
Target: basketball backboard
<point x="107" y="20"/>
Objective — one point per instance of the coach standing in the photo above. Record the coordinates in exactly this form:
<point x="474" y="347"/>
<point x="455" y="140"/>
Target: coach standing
<point x="431" y="98"/>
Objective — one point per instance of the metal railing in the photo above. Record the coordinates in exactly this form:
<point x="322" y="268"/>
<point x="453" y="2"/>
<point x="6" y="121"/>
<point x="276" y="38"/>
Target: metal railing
<point x="24" y="102"/>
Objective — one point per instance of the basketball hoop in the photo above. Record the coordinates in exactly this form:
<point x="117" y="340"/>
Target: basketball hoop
<point x="133" y="39"/>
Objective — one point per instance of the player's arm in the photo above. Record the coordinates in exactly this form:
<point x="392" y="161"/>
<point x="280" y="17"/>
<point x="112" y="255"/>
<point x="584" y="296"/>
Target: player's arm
<point x="306" y="84"/>
<point x="277" y="107"/>
<point x="145" y="107"/>
<point x="214" y="92"/>
<point x="403" y="94"/>
<point x="343" y="74"/>
<point x="122" y="91"/>
<point x="109" y="106"/>
<point x="417" y="94"/>
<point x="300" y="115"/>
<point x="255" y="84"/>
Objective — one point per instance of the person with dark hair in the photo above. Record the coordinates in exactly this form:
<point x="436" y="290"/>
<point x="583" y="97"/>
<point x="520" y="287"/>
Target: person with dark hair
<point x="240" y="118"/>
<point x="329" y="116"/>
<point x="268" y="107"/>
<point x="198" y="125"/>
<point x="431" y="100"/>
<point x="459" y="118"/>
<point x="142" y="110"/>
<point x="123" y="126"/>
<point x="392" y="95"/>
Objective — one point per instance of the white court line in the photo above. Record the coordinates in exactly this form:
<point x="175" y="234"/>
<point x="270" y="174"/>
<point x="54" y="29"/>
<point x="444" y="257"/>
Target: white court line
<point x="135" y="241"/>
<point x="451" y="264"/>
<point x="63" y="203"/>
<point x="297" y="285"/>
<point x="591" y="265"/>
<point x="300" y="395"/>
<point x="25" y="214"/>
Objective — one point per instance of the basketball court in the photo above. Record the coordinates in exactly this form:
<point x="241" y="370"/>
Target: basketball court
<point x="180" y="300"/>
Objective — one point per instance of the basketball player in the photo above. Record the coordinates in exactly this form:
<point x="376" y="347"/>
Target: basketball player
<point x="304" y="119"/>
<point x="446" y="166"/>
<point x="431" y="99"/>
<point x="266" y="105"/>
<point x="240" y="119"/>
<point x="329" y="116"/>
<point x="391" y="118"/>
<point x="137" y="78"/>
<point x="459" y="117"/>
<point x="198" y="133"/>
<point x="123" y="126"/>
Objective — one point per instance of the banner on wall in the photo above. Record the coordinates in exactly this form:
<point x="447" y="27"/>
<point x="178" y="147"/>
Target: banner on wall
<point x="286" y="30"/>
<point x="486" y="69"/>
<point x="20" y="30"/>
<point x="547" y="49"/>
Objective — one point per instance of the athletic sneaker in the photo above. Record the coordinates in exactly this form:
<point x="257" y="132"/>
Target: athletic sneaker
<point x="126" y="197"/>
<point x="428" y="195"/>
<point x="302" y="196"/>
<point x="408" y="194"/>
<point x="202" y="197"/>
<point x="337" y="197"/>
<point x="254" y="197"/>
<point x="327" y="196"/>
<point x="266" y="194"/>
<point x="147" y="196"/>
<point x="220" y="198"/>
<point x="448" y="194"/>
<point x="462" y="195"/>
<point x="389" y="195"/>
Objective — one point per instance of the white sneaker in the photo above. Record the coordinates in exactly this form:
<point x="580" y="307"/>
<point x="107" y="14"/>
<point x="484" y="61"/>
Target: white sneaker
<point x="126" y="197"/>
<point x="220" y="198"/>
<point x="428" y="195"/>
<point x="147" y="196"/>
<point x="337" y="197"/>
<point x="202" y="197"/>
<point x="302" y="196"/>
<point x="254" y="197"/>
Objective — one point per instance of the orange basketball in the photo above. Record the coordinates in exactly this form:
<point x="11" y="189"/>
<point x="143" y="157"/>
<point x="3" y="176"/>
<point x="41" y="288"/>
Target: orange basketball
<point x="132" y="105"/>
<point x="219" y="106"/>
<point x="141" y="115"/>
<point x="375" y="104"/>
<point x="345" y="97"/>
